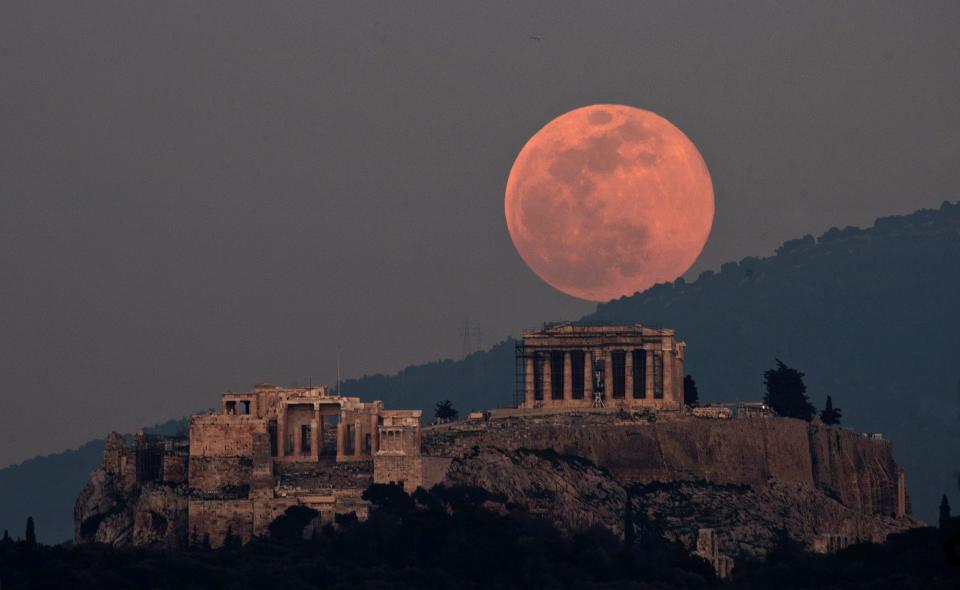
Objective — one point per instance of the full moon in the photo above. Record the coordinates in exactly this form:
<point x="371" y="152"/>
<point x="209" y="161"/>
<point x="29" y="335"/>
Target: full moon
<point x="608" y="200"/>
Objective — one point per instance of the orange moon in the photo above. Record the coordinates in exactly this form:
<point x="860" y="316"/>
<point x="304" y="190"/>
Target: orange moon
<point x="608" y="200"/>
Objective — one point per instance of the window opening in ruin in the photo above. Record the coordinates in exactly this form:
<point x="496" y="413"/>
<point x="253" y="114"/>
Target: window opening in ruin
<point x="618" y="359"/>
<point x="348" y="443"/>
<point x="245" y="407"/>
<point x="658" y="374"/>
<point x="231" y="408"/>
<point x="272" y="432"/>
<point x="366" y="443"/>
<point x="305" y="439"/>
<point x="577" y="373"/>
<point x="537" y="376"/>
<point x="639" y="373"/>
<point x="556" y="374"/>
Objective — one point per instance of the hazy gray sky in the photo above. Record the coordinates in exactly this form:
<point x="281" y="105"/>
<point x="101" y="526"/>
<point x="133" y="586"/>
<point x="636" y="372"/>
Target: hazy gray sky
<point x="199" y="196"/>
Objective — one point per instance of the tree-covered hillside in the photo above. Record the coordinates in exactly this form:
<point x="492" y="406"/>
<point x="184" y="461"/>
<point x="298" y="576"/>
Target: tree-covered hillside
<point x="870" y="315"/>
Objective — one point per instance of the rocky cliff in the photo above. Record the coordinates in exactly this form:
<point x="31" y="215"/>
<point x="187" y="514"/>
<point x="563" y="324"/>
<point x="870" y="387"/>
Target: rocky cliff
<point x="749" y="479"/>
<point x="113" y="508"/>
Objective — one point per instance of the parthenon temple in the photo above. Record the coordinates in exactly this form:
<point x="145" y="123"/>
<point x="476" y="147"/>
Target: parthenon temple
<point x="577" y="366"/>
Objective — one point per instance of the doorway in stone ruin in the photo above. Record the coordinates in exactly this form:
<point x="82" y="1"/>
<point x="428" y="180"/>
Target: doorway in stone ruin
<point x="329" y="422"/>
<point x="304" y="439"/>
<point x="272" y="433"/>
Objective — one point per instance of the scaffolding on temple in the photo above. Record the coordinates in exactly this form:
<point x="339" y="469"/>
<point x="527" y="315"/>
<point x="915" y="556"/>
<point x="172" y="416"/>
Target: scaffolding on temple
<point x="520" y="373"/>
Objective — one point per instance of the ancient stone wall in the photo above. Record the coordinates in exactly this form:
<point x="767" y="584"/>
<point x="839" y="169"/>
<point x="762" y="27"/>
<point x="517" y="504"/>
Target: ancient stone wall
<point x="119" y="460"/>
<point x="220" y="476"/>
<point x="391" y="469"/>
<point x="222" y="454"/>
<point x="174" y="469"/>
<point x="213" y="520"/>
<point x="219" y="435"/>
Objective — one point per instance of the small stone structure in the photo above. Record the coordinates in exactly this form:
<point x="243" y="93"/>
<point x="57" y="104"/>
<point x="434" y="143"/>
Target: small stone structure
<point x="709" y="549"/>
<point x="617" y="366"/>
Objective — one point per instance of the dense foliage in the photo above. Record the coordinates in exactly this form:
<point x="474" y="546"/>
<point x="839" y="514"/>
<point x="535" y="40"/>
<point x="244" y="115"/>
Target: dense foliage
<point x="787" y="393"/>
<point x="445" y="411"/>
<point x="446" y="539"/>
<point x="691" y="395"/>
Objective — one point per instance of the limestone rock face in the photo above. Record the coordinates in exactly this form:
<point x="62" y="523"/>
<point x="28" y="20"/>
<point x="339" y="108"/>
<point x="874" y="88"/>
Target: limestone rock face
<point x="100" y="512"/>
<point x="115" y="510"/>
<point x="150" y="515"/>
<point x="748" y="479"/>
<point x="571" y="492"/>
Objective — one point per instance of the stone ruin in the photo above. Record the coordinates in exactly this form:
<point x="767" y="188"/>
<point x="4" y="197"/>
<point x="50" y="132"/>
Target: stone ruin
<point x="576" y="444"/>
<point x="263" y="452"/>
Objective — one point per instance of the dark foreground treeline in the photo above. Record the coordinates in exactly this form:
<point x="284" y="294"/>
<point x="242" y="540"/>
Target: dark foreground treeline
<point x="446" y="539"/>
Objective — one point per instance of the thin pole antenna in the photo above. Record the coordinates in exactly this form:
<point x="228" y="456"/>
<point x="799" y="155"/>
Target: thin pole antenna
<point x="338" y="371"/>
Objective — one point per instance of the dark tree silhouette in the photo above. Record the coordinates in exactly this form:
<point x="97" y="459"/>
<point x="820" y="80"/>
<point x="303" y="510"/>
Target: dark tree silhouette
<point x="831" y="415"/>
<point x="944" y="511"/>
<point x="288" y="527"/>
<point x="629" y="531"/>
<point x="6" y="540"/>
<point x="390" y="498"/>
<point x="232" y="540"/>
<point x="31" y="536"/>
<point x="786" y="392"/>
<point x="445" y="411"/>
<point x="691" y="396"/>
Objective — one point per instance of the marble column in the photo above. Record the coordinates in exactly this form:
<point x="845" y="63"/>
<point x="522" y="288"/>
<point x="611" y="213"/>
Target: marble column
<point x="342" y="436"/>
<point x="607" y="377"/>
<point x="374" y="434"/>
<point x="588" y="375"/>
<point x="668" y="391"/>
<point x="357" y="438"/>
<point x="315" y="433"/>
<point x="567" y="376"/>
<point x="281" y="430"/>
<point x="321" y="428"/>
<point x="628" y="364"/>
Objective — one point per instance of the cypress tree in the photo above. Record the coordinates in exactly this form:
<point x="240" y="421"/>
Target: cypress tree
<point x="944" y="511"/>
<point x="787" y="393"/>
<point x="31" y="533"/>
<point x="691" y="395"/>
<point x="831" y="415"/>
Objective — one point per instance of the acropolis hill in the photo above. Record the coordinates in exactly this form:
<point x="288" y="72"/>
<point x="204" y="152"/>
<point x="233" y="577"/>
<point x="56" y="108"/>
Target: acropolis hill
<point x="583" y="441"/>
